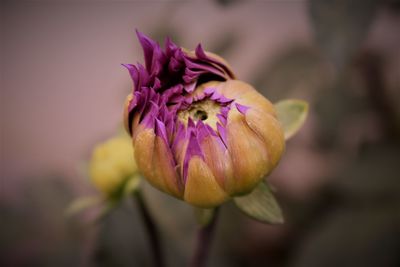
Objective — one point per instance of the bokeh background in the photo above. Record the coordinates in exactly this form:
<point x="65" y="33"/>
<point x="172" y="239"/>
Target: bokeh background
<point x="62" y="90"/>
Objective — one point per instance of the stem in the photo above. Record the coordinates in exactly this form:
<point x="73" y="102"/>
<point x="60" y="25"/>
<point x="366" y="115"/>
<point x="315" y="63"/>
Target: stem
<point x="204" y="239"/>
<point x="152" y="231"/>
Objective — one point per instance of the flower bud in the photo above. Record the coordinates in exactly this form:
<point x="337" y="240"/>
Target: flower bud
<point x="199" y="134"/>
<point x="112" y="164"/>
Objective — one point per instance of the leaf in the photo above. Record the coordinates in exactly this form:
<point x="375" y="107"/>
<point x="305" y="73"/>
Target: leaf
<point x="204" y="216"/>
<point x="261" y="205"/>
<point x="81" y="204"/>
<point x="291" y="114"/>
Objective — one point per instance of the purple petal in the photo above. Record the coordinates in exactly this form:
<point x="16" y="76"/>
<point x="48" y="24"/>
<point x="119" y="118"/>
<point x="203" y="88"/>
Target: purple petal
<point x="190" y="86"/>
<point x="193" y="149"/>
<point x="161" y="131"/>
<point x="222" y="119"/>
<point x="202" y="131"/>
<point x="241" y="108"/>
<point x="148" y="46"/>
<point x="209" y="91"/>
<point x="222" y="133"/>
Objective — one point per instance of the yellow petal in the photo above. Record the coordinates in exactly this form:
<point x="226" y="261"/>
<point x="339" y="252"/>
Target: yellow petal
<point x="218" y="160"/>
<point x="144" y="151"/>
<point x="128" y="100"/>
<point x="164" y="168"/>
<point x="156" y="165"/>
<point x="245" y="94"/>
<point x="269" y="129"/>
<point x="201" y="188"/>
<point x="248" y="153"/>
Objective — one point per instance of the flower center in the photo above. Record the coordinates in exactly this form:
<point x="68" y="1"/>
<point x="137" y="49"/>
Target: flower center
<point x="200" y="115"/>
<point x="204" y="110"/>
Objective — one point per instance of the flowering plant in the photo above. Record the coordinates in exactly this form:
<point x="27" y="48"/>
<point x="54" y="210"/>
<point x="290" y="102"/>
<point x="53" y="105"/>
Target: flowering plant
<point x="198" y="134"/>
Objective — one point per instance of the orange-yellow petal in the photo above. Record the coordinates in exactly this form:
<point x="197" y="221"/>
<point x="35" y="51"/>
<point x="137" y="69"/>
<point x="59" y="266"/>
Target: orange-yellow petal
<point x="201" y="188"/>
<point x="269" y="129"/>
<point x="218" y="160"/>
<point x="164" y="168"/>
<point x="155" y="163"/>
<point x="248" y="153"/>
<point x="244" y="94"/>
<point x="128" y="100"/>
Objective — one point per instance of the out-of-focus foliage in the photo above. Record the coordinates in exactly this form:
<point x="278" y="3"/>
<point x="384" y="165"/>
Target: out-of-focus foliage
<point x="361" y="221"/>
<point x="291" y="114"/>
<point x="227" y="3"/>
<point x="261" y="205"/>
<point x="27" y="244"/>
<point x="340" y="26"/>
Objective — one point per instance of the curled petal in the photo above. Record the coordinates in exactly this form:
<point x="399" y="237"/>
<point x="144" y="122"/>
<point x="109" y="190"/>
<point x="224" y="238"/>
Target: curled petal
<point x="164" y="168"/>
<point x="201" y="188"/>
<point x="155" y="161"/>
<point x="213" y="60"/>
<point x="126" y="113"/>
<point x="248" y="153"/>
<point x="218" y="160"/>
<point x="246" y="95"/>
<point x="269" y="129"/>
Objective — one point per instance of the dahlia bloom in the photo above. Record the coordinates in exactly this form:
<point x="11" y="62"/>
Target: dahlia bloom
<point x="199" y="134"/>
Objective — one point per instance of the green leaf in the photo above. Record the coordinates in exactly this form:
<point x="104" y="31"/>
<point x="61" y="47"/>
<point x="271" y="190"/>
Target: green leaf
<point x="291" y="114"/>
<point x="81" y="204"/>
<point x="203" y="216"/>
<point x="261" y="205"/>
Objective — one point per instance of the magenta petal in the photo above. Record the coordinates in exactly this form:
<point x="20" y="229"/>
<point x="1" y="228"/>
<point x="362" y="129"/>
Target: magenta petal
<point x="202" y="55"/>
<point x="202" y="131"/>
<point x="190" y="86"/>
<point x="215" y="96"/>
<point x="222" y="133"/>
<point x="148" y="46"/>
<point x="224" y="100"/>
<point x="241" y="108"/>
<point x="193" y="149"/>
<point x="211" y="131"/>
<point x="174" y="65"/>
<point x="222" y="119"/>
<point x="161" y="131"/>
<point x="209" y="91"/>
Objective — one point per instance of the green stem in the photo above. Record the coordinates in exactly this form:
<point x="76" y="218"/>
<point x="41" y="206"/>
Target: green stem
<point x="204" y="239"/>
<point x="152" y="231"/>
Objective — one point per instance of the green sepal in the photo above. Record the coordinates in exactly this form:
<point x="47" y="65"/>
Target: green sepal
<point x="203" y="216"/>
<point x="132" y="185"/>
<point x="81" y="204"/>
<point x="261" y="205"/>
<point x="291" y="114"/>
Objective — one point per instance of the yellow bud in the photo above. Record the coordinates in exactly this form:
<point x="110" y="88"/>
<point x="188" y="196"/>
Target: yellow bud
<point x="112" y="164"/>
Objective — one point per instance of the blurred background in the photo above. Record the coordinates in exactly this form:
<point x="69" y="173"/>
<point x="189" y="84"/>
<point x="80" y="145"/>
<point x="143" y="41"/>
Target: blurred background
<point x="62" y="91"/>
